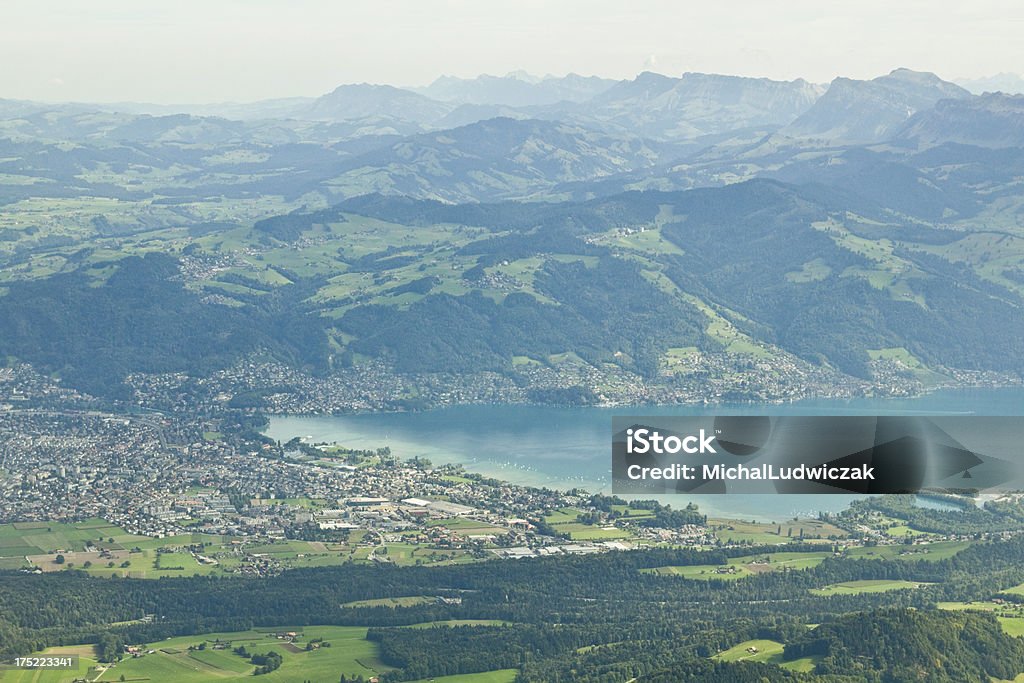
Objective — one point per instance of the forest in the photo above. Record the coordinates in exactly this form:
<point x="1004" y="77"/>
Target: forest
<point x="596" y="618"/>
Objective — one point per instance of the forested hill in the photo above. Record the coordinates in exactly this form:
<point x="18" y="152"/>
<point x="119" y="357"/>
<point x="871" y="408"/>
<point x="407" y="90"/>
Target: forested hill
<point x="141" y="318"/>
<point x="906" y="645"/>
<point x="882" y="646"/>
<point x="760" y="269"/>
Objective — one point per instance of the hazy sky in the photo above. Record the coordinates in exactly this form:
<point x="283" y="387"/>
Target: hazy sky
<point x="188" y="51"/>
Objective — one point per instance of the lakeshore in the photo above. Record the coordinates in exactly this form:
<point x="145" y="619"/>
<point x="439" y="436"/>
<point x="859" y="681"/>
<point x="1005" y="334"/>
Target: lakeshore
<point x="564" y="448"/>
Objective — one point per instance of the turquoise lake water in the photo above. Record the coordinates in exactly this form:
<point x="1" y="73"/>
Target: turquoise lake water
<point x="567" y="447"/>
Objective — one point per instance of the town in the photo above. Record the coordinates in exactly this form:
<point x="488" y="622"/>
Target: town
<point x="150" y="494"/>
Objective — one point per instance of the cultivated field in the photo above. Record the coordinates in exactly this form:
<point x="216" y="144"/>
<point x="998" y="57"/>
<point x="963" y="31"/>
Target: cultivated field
<point x="868" y="586"/>
<point x="342" y="650"/>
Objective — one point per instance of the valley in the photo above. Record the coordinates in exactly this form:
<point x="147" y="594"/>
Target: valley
<point x="318" y="388"/>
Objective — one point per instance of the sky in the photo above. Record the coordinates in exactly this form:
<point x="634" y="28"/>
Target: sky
<point x="196" y="51"/>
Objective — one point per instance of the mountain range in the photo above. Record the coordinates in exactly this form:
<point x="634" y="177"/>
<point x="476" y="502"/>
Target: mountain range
<point x="517" y="89"/>
<point x="493" y="224"/>
<point x="853" y="111"/>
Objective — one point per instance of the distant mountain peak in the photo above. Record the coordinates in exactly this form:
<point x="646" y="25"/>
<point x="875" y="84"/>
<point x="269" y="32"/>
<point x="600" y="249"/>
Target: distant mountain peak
<point x="856" y="111"/>
<point x="699" y="104"/>
<point x="524" y="76"/>
<point x="702" y="75"/>
<point x="990" y="120"/>
<point x="515" y="89"/>
<point x="361" y="100"/>
<point x="924" y="78"/>
<point x="1005" y="82"/>
<point x="904" y="72"/>
<point x="652" y="77"/>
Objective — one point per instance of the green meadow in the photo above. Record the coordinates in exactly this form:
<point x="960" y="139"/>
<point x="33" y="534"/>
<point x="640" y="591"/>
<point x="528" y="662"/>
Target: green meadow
<point x="767" y="651"/>
<point x="344" y="650"/>
<point x="117" y="553"/>
<point x="747" y="565"/>
<point x="774" y="533"/>
<point x="702" y="572"/>
<point x="499" y="676"/>
<point x="565" y="521"/>
<point x="867" y="586"/>
<point x="929" y="552"/>
<point x="757" y="563"/>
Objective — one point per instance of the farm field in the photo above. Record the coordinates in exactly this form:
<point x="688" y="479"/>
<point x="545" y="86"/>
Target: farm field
<point x="1013" y="626"/>
<point x="747" y="565"/>
<point x="499" y="676"/>
<point x="173" y="660"/>
<point x="867" y="586"/>
<point x="181" y="660"/>
<point x="739" y="567"/>
<point x="902" y="531"/>
<point x="459" y="622"/>
<point x="35" y="538"/>
<point x="769" y="533"/>
<point x="86" y="666"/>
<point x="409" y="601"/>
<point x="587" y="532"/>
<point x="1015" y="590"/>
<point x="703" y="572"/>
<point x="969" y="606"/>
<point x="562" y="516"/>
<point x="565" y="521"/>
<point x="113" y="552"/>
<point x="767" y="651"/>
<point x="778" y="561"/>
<point x="930" y="552"/>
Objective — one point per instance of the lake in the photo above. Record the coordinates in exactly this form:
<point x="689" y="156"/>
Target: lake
<point x="567" y="447"/>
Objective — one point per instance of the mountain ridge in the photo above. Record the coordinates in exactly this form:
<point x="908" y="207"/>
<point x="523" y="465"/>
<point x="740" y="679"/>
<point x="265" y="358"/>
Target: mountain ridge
<point x="860" y="112"/>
